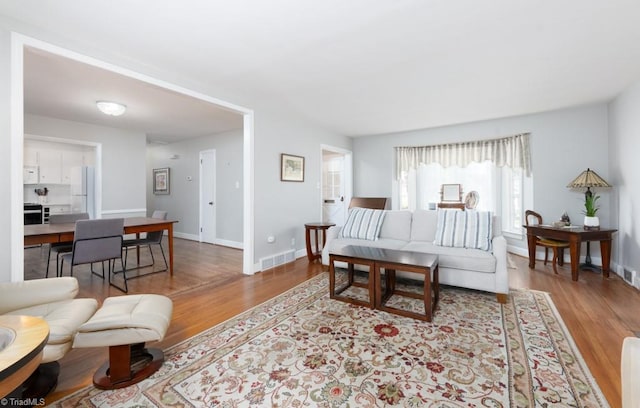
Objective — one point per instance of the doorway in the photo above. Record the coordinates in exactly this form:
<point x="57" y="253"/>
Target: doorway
<point x="18" y="45"/>
<point x="336" y="186"/>
<point x="208" y="196"/>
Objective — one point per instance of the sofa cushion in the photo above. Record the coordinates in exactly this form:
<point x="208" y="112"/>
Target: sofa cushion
<point x="396" y="225"/>
<point x="363" y="223"/>
<point x="423" y="225"/>
<point x="457" y="258"/>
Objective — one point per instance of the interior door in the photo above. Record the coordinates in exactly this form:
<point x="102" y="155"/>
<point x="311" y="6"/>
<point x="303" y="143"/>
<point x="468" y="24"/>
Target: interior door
<point x="208" y="196"/>
<point x="335" y="186"/>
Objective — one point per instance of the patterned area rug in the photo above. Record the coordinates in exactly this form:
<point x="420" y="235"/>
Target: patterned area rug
<point x="302" y="349"/>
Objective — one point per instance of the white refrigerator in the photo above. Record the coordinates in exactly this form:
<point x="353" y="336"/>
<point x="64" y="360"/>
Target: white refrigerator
<point x="82" y="190"/>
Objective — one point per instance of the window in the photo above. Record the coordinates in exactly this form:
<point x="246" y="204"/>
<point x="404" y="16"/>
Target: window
<point x="500" y="189"/>
<point x="512" y="200"/>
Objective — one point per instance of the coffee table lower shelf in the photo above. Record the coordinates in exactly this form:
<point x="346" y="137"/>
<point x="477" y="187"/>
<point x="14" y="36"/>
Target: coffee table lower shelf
<point x="378" y="259"/>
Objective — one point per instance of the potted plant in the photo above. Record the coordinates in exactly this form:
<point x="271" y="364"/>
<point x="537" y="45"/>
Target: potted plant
<point x="591" y="207"/>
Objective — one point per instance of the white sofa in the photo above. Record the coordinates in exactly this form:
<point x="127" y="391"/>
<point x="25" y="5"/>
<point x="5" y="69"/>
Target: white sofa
<point x="416" y="231"/>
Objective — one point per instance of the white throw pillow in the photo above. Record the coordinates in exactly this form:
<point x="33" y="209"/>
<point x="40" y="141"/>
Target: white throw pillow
<point x="363" y="223"/>
<point x="464" y="229"/>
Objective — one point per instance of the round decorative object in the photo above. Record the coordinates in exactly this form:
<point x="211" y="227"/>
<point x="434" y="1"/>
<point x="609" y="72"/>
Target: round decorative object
<point x="471" y="200"/>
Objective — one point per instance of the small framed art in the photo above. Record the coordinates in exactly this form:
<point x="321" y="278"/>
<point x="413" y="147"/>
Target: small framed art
<point x="291" y="167"/>
<point x="451" y="193"/>
<point x="161" y="181"/>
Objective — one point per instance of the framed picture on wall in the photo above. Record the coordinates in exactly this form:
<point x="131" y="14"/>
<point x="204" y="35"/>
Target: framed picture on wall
<point x="291" y="167"/>
<point x="161" y="181"/>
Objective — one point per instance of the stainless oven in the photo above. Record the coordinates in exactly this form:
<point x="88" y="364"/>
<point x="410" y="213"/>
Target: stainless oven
<point x="32" y="214"/>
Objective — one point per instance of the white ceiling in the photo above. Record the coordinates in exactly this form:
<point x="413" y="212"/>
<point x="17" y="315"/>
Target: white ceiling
<point x="356" y="67"/>
<point x="59" y="87"/>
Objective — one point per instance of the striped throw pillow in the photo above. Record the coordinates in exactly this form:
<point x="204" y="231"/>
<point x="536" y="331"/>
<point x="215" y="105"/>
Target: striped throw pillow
<point x="479" y="230"/>
<point x="363" y="223"/>
<point x="450" y="228"/>
<point x="464" y="229"/>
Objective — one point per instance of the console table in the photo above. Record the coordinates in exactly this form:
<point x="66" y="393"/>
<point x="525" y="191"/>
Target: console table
<point x="575" y="235"/>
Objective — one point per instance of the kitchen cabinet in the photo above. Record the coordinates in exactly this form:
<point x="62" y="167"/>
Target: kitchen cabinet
<point x="50" y="166"/>
<point x="71" y="158"/>
<point x="30" y="156"/>
<point x="52" y="162"/>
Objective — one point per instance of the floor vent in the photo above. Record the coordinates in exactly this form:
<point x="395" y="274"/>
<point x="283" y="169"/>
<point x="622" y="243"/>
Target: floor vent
<point x="629" y="276"/>
<point x="277" y="259"/>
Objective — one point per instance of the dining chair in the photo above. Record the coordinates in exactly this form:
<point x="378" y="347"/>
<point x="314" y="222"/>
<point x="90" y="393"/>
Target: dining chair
<point x="62" y="247"/>
<point x="533" y="218"/>
<point x="152" y="238"/>
<point x="97" y="241"/>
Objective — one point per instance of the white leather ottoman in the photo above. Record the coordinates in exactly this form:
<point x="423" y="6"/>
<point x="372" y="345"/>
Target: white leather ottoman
<point x="124" y="324"/>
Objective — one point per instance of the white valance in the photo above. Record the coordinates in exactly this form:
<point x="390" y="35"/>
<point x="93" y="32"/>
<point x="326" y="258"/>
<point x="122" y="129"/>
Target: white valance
<point x="512" y="151"/>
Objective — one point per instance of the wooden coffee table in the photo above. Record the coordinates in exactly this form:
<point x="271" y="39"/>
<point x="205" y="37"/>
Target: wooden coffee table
<point x="408" y="261"/>
<point x="390" y="260"/>
<point x="352" y="255"/>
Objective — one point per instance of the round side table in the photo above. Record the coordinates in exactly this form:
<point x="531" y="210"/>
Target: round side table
<point x="317" y="227"/>
<point x="23" y="341"/>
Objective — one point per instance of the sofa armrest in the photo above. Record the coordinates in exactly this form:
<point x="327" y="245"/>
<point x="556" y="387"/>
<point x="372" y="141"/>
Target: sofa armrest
<point x="499" y="244"/>
<point x="19" y="295"/>
<point x="332" y="233"/>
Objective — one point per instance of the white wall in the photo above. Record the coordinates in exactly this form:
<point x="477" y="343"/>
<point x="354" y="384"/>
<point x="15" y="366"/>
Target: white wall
<point x="123" y="158"/>
<point x="281" y="209"/>
<point x="563" y="144"/>
<point x="182" y="203"/>
<point x="10" y="254"/>
<point x="624" y="136"/>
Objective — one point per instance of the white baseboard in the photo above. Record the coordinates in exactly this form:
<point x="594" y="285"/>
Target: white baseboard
<point x="230" y="244"/>
<point x="222" y="242"/>
<point x="190" y="237"/>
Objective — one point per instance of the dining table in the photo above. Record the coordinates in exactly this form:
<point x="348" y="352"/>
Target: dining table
<point x="37" y="234"/>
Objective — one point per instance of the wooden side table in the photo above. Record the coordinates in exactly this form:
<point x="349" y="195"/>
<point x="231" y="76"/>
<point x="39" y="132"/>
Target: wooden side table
<point x="414" y="262"/>
<point x="351" y="258"/>
<point x="317" y="228"/>
<point x="454" y="205"/>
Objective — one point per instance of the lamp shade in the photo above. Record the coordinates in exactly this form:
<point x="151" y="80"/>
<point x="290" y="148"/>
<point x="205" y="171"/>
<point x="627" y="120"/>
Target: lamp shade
<point x="588" y="178"/>
<point x="111" y="108"/>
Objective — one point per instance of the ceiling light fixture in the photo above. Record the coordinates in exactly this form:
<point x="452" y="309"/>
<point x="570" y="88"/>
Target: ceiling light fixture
<point x="111" y="108"/>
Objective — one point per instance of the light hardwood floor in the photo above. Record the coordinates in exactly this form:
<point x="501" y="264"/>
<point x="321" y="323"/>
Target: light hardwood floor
<point x="208" y="287"/>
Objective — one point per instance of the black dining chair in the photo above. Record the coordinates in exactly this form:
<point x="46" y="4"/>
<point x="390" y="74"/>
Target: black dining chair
<point x="98" y="241"/>
<point x="152" y="238"/>
<point x="62" y="247"/>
